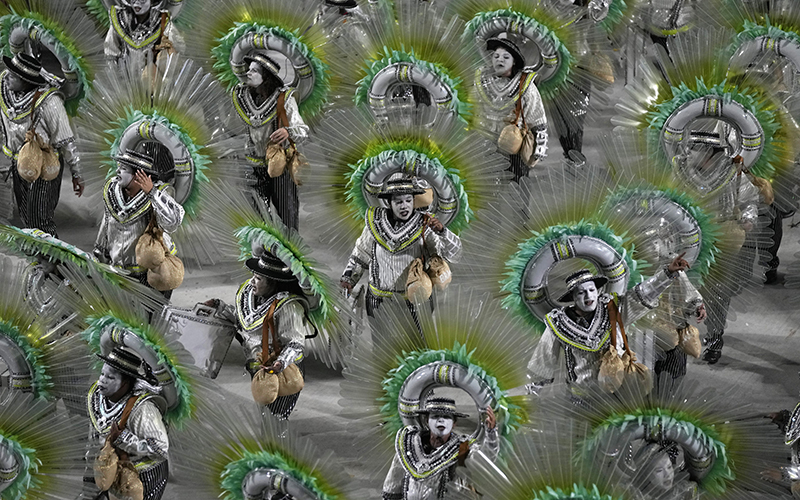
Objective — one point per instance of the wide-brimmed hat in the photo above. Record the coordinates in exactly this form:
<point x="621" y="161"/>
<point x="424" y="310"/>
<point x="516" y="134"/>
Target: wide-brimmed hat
<point x="265" y="61"/>
<point x="125" y="361"/>
<point x="497" y="42"/>
<point x="582" y="276"/>
<point x="26" y="67"/>
<point x="343" y="4"/>
<point x="441" y="406"/>
<point x="267" y="264"/>
<point x="400" y="183"/>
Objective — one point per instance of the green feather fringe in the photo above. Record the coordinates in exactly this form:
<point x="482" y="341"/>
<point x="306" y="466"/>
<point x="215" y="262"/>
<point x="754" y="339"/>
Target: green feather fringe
<point x="28" y="244"/>
<point x="186" y="404"/>
<point x="577" y="491"/>
<point x="201" y="160"/>
<point x="616" y="13"/>
<point x="512" y="416"/>
<point x="221" y="53"/>
<point x="41" y="380"/>
<point x="67" y="49"/>
<point x="98" y="9"/>
<point x="235" y="472"/>
<point x="710" y="231"/>
<point x="293" y="254"/>
<point x="721" y="471"/>
<point x="461" y="107"/>
<point x="517" y="263"/>
<point x="28" y="466"/>
<point x="765" y="165"/>
<point x="752" y="30"/>
<point x="555" y="84"/>
<point x="411" y="154"/>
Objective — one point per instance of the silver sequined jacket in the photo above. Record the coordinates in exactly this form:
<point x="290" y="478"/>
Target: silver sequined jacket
<point x="125" y="220"/>
<point x="52" y="122"/>
<point x="429" y="476"/>
<point x="582" y="345"/>
<point x="387" y="250"/>
<point x="499" y="100"/>
<point x="135" y="45"/>
<point x="262" y="120"/>
<point x="290" y="322"/>
<point x="145" y="437"/>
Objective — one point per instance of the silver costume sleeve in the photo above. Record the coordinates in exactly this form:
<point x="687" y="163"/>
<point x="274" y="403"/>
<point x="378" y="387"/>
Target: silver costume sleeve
<point x="490" y="445"/>
<point x="690" y="296"/>
<point x="112" y="47"/>
<point x="360" y="259"/>
<point x="644" y="297"/>
<point x="169" y="213"/>
<point x="393" y="484"/>
<point x="748" y="200"/>
<point x="536" y="119"/>
<point x="101" y="242"/>
<point x="298" y="130"/>
<point x="545" y="358"/>
<point x="445" y="244"/>
<point x="54" y="119"/>
<point x="292" y="329"/>
<point x="145" y="435"/>
<point x="175" y="37"/>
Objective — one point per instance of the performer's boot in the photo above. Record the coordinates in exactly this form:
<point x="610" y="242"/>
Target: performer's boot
<point x="713" y="348"/>
<point x="575" y="161"/>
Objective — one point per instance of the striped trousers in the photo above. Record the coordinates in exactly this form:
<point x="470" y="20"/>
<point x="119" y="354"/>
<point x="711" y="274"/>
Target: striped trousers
<point x="37" y="200"/>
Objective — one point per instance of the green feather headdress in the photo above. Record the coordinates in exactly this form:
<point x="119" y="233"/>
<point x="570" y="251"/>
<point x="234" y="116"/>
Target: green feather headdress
<point x="458" y="333"/>
<point x="351" y="145"/>
<point x="169" y="354"/>
<point x="31" y="330"/>
<point x="516" y="264"/>
<point x="308" y="107"/>
<point x="551" y="27"/>
<point x="75" y="43"/>
<point x="216" y="458"/>
<point x="46" y="445"/>
<point x="292" y="251"/>
<point x="214" y="36"/>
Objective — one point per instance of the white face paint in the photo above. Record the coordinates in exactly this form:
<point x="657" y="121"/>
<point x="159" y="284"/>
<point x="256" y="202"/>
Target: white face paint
<point x="110" y="381"/>
<point x="140" y="6"/>
<point x="502" y="62"/>
<point x="125" y="175"/>
<point x="253" y="75"/>
<point x="262" y="285"/>
<point x="663" y="473"/>
<point x="585" y="296"/>
<point x="402" y="206"/>
<point x="440" y="425"/>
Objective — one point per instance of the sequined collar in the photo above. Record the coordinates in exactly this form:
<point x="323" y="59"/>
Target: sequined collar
<point x="125" y="211"/>
<point x="250" y="312"/>
<point x="14" y="105"/>
<point x="391" y="238"/>
<point x="143" y="35"/>
<point x="409" y="447"/>
<point x="252" y="114"/>
<point x="103" y="412"/>
<point x="590" y="339"/>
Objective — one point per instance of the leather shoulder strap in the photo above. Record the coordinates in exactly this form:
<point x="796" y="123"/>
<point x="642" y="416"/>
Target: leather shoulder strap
<point x="123" y="421"/>
<point x="283" y="121"/>
<point x="268" y="330"/>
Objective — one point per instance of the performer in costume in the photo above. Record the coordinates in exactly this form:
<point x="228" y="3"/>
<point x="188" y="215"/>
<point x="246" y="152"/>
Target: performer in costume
<point x="424" y="466"/>
<point x="501" y="87"/>
<point x="273" y="295"/>
<point x="258" y="101"/>
<point x="126" y="389"/>
<point x="139" y="30"/>
<point x="136" y="194"/>
<point x="392" y="238"/>
<point x="582" y="330"/>
<point x="28" y="103"/>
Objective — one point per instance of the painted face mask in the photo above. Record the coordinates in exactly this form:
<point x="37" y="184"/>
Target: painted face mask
<point x="125" y="175"/>
<point x="140" y="6"/>
<point x="402" y="206"/>
<point x="110" y="381"/>
<point x="502" y="62"/>
<point x="440" y="425"/>
<point x="585" y="296"/>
